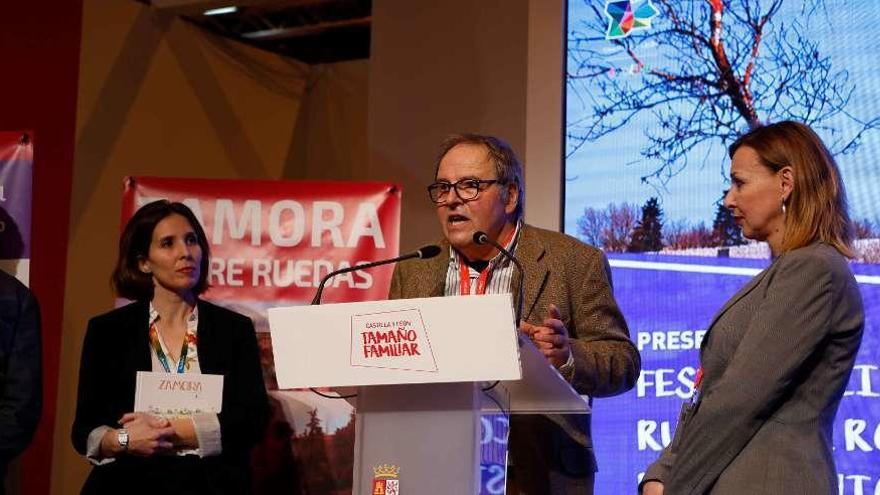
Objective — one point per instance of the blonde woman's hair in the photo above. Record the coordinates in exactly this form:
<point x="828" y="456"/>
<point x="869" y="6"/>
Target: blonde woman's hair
<point x="816" y="209"/>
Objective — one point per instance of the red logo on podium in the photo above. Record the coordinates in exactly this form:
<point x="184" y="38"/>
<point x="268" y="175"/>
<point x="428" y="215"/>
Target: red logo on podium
<point x="392" y="340"/>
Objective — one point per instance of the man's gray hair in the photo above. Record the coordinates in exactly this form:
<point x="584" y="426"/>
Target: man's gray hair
<point x="508" y="169"/>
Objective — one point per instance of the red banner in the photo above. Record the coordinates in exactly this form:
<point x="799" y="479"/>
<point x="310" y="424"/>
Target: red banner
<point x="275" y="240"/>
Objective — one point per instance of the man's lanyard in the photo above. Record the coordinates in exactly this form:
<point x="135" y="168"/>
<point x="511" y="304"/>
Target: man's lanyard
<point x="483" y="280"/>
<point x="466" y="279"/>
<point x="160" y="354"/>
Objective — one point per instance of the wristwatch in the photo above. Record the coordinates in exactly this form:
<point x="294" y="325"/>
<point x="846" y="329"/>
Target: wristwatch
<point x="566" y="369"/>
<point x="122" y="438"/>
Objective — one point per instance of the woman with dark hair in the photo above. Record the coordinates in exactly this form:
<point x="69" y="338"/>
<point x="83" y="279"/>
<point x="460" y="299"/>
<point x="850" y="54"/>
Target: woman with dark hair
<point x="163" y="266"/>
<point x="777" y="357"/>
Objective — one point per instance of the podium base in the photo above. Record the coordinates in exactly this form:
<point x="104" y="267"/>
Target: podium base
<point x="429" y="432"/>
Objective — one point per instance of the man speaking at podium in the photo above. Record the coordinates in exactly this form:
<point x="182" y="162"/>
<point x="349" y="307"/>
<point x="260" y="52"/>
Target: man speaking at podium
<point x="569" y="311"/>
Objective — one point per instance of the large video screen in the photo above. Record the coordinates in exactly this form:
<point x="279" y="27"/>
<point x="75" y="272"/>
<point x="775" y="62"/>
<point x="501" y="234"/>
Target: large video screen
<point x="656" y="91"/>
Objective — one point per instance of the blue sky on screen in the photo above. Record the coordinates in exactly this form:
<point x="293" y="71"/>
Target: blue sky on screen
<point x="608" y="170"/>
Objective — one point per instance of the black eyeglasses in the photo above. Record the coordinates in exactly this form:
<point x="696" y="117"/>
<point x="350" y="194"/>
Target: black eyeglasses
<point x="465" y="189"/>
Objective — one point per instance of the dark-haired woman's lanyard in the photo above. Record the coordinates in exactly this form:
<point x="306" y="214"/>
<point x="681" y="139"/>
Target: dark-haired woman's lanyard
<point x="483" y="280"/>
<point x="156" y="344"/>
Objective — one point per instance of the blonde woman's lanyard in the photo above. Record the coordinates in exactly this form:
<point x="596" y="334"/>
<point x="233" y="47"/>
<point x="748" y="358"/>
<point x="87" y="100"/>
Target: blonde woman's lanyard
<point x="483" y="280"/>
<point x="698" y="384"/>
<point x="160" y="354"/>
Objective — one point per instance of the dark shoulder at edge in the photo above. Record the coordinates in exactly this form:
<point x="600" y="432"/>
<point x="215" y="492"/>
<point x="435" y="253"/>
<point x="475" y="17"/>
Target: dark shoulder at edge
<point x="12" y="287"/>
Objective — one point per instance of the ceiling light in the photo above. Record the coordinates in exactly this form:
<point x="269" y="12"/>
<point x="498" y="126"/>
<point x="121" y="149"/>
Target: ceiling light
<point x="221" y="10"/>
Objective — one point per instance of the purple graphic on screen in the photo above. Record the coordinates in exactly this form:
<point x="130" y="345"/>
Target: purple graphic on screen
<point x="649" y="117"/>
<point x="16" y="182"/>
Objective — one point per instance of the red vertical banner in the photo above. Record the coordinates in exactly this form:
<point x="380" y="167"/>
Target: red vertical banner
<point x="271" y="243"/>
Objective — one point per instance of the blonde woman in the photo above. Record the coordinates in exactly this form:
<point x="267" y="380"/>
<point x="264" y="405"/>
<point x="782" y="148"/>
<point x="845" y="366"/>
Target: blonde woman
<point x="778" y="354"/>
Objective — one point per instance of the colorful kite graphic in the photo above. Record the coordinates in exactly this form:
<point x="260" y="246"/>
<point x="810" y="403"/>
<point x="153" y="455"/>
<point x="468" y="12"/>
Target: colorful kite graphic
<point x="626" y="16"/>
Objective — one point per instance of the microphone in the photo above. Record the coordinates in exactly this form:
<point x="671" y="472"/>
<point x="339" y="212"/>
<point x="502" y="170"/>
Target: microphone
<point x="423" y="252"/>
<point x="481" y="239"/>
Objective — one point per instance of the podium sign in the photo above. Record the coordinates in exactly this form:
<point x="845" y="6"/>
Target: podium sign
<point x="417" y="366"/>
<point x="430" y="340"/>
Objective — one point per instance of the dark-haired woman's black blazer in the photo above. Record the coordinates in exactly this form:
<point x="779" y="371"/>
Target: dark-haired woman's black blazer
<point x="116" y="347"/>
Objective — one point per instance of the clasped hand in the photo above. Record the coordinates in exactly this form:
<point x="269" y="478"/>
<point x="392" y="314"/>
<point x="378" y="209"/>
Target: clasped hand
<point x="551" y="337"/>
<point x="147" y="434"/>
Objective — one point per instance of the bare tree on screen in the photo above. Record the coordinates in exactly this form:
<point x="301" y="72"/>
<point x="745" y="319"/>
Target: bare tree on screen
<point x="680" y="234"/>
<point x="866" y="229"/>
<point x="707" y="70"/>
<point x="610" y="229"/>
<point x="591" y="225"/>
<point x="622" y="221"/>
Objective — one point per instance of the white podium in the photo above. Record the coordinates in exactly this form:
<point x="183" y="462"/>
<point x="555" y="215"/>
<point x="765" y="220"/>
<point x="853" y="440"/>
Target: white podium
<point x="418" y="367"/>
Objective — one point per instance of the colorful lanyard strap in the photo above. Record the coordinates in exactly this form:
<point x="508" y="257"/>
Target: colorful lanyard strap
<point x="483" y="280"/>
<point x="181" y="363"/>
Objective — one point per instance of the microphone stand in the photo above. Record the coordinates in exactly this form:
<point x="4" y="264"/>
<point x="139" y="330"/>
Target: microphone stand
<point x="481" y="238"/>
<point x="424" y="253"/>
<point x="316" y="301"/>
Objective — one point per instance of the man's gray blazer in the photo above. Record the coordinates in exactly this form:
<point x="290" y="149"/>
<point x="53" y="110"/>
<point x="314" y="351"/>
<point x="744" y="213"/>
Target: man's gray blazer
<point x="776" y="360"/>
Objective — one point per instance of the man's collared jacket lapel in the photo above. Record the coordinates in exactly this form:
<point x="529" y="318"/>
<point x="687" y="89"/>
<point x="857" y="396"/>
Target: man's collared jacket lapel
<point x="530" y="251"/>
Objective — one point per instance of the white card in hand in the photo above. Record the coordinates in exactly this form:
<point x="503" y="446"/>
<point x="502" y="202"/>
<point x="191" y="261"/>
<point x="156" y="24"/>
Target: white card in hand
<point x="178" y="394"/>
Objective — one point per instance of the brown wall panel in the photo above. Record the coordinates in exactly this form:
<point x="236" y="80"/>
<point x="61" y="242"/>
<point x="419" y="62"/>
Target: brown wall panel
<point x="438" y="67"/>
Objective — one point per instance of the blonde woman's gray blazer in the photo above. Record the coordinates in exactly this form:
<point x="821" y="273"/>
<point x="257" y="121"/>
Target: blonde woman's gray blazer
<point x="776" y="361"/>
